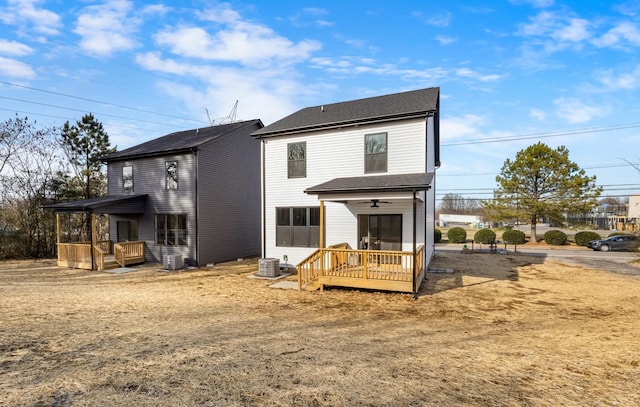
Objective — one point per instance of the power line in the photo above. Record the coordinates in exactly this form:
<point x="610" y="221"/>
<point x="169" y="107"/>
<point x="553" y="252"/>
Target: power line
<point x="97" y="113"/>
<point x="591" y="167"/>
<point x="100" y="102"/>
<point x="546" y="134"/>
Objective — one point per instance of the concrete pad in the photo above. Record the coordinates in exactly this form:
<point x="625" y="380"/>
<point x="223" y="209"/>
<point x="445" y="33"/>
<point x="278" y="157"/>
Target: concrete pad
<point x="278" y="277"/>
<point x="287" y="285"/>
<point x="121" y="270"/>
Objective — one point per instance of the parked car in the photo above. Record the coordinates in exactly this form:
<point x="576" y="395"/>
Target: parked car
<point x="618" y="242"/>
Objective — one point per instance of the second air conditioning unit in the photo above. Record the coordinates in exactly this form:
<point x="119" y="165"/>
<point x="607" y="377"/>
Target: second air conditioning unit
<point x="269" y="268"/>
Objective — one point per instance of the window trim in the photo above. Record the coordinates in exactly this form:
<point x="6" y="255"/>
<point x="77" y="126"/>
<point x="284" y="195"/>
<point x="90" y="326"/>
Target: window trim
<point x="385" y="153"/>
<point x="303" y="160"/>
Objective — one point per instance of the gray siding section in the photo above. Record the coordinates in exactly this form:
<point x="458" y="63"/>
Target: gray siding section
<point x="229" y="197"/>
<point x="149" y="178"/>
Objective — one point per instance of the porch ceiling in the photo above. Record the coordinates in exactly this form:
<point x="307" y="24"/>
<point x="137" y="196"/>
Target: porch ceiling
<point x="393" y="183"/>
<point x="104" y="204"/>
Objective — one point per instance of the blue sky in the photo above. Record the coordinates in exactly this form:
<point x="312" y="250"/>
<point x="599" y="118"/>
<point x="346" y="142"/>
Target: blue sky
<point x="511" y="72"/>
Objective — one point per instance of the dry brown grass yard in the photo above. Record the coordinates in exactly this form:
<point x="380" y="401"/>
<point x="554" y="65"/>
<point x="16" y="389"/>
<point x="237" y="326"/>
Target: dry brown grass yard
<point x="503" y="330"/>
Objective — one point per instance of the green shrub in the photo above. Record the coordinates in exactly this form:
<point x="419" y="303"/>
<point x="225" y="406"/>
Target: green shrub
<point x="437" y="236"/>
<point x="582" y="238"/>
<point x="616" y="234"/>
<point x="555" y="237"/>
<point x="457" y="235"/>
<point x="484" y="236"/>
<point x="514" y="236"/>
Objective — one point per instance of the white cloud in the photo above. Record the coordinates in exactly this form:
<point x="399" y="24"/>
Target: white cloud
<point x="107" y="28"/>
<point x="575" y="31"/>
<point x="40" y="20"/>
<point x="537" y="114"/>
<point x="534" y="3"/>
<point x="238" y="41"/>
<point x="16" y="69"/>
<point x="468" y="73"/>
<point x="576" y="111"/>
<point x="262" y="93"/>
<point x="621" y="81"/>
<point x="14" y="48"/>
<point x="445" y="40"/>
<point x="556" y="27"/>
<point x="462" y="127"/>
<point x="625" y="31"/>
<point x="438" y="20"/>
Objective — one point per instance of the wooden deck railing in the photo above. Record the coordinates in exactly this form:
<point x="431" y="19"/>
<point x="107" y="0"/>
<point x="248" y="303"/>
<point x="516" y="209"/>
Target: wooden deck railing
<point x="75" y="255"/>
<point x="378" y="269"/>
<point x="78" y="255"/>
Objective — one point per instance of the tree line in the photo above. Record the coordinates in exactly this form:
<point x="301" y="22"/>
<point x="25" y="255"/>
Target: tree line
<point x="539" y="183"/>
<point x="41" y="165"/>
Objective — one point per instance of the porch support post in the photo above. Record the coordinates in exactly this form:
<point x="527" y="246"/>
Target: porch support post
<point x="321" y="245"/>
<point x="413" y="272"/>
<point x="94" y="233"/>
<point x="322" y="242"/>
<point x="58" y="236"/>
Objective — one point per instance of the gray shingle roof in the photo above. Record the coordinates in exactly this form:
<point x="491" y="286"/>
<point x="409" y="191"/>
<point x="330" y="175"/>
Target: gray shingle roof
<point x="184" y="140"/>
<point x="88" y="205"/>
<point x="414" y="103"/>
<point x="374" y="183"/>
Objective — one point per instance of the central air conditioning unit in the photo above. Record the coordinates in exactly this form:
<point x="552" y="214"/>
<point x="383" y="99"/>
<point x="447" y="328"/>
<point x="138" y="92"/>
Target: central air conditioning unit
<point x="172" y="262"/>
<point x="269" y="268"/>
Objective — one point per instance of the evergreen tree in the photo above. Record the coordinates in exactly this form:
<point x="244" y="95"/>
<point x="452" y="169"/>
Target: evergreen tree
<point x="85" y="143"/>
<point x="542" y="182"/>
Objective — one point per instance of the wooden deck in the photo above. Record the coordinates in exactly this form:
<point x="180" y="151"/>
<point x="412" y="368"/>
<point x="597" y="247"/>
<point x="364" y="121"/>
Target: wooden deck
<point x="342" y="266"/>
<point x="106" y="255"/>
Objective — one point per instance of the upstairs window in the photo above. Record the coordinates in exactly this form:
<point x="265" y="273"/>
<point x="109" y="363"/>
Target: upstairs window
<point x="297" y="160"/>
<point x="375" y="153"/>
<point x="127" y="178"/>
<point x="171" y="174"/>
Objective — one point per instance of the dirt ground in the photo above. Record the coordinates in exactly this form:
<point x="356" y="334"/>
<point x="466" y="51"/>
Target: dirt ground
<point x="507" y="330"/>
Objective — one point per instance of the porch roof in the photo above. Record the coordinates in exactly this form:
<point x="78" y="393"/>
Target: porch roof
<point x="374" y="183"/>
<point x="132" y="204"/>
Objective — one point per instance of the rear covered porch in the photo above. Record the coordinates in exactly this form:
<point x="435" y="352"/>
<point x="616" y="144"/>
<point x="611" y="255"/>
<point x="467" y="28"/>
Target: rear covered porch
<point x="387" y="215"/>
<point x="91" y="251"/>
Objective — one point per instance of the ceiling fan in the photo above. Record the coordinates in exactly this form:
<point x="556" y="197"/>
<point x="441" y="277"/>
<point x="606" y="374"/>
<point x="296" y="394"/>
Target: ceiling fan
<point x="375" y="202"/>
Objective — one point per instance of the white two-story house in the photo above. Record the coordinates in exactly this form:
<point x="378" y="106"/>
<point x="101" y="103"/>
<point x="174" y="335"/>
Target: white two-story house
<point x="347" y="190"/>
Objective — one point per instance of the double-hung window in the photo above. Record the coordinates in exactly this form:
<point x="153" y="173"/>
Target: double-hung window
<point x="298" y="227"/>
<point x="375" y="153"/>
<point x="297" y="160"/>
<point x="171" y="230"/>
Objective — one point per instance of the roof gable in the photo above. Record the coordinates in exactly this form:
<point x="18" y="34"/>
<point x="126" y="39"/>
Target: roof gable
<point x="184" y="140"/>
<point x="414" y="103"/>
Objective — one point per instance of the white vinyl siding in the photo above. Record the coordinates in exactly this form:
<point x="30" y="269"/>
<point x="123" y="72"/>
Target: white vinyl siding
<point x="337" y="154"/>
